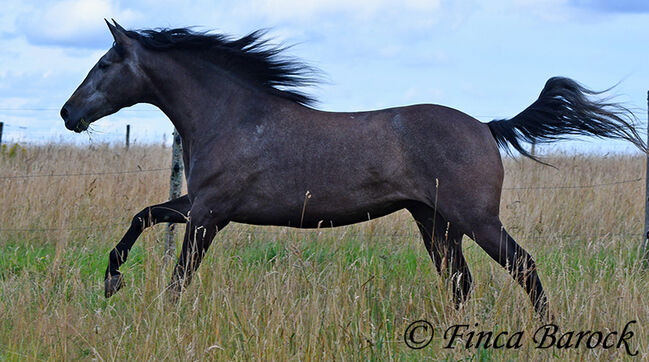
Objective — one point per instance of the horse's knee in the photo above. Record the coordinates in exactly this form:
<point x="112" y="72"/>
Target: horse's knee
<point x="142" y="219"/>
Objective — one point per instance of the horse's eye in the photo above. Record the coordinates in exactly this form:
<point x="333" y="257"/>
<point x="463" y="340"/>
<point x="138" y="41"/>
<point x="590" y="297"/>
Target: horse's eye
<point x="103" y="64"/>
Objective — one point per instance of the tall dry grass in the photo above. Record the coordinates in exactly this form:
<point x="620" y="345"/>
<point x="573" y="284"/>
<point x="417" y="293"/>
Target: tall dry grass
<point x="284" y="294"/>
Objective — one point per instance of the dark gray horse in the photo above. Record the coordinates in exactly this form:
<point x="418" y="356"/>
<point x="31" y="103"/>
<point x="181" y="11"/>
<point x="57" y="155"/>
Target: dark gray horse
<point x="253" y="149"/>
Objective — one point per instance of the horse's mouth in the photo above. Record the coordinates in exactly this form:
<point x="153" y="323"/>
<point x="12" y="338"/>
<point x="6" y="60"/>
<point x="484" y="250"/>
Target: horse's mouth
<point x="81" y="126"/>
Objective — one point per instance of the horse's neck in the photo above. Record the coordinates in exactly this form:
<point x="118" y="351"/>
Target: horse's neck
<point x="195" y="98"/>
<point x="203" y="102"/>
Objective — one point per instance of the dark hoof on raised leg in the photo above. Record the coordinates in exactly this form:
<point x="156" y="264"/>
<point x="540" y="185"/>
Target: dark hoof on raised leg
<point x="112" y="284"/>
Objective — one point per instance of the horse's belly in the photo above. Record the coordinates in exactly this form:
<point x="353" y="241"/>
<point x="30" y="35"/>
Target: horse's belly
<point x="317" y="216"/>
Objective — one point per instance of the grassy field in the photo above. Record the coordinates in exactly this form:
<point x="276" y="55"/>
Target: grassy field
<point x="284" y="294"/>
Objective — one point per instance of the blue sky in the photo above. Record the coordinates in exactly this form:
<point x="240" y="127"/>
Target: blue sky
<point x="487" y="58"/>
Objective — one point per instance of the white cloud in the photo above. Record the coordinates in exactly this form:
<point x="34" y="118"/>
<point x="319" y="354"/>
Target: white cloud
<point x="375" y="53"/>
<point x="307" y="11"/>
<point x="74" y="23"/>
<point x="42" y="74"/>
<point x="618" y="6"/>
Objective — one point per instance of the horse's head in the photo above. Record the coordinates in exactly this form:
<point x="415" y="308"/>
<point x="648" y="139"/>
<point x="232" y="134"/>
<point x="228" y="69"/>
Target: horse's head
<point x="115" y="82"/>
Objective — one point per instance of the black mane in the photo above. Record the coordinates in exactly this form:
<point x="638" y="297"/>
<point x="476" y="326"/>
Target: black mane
<point x="250" y="56"/>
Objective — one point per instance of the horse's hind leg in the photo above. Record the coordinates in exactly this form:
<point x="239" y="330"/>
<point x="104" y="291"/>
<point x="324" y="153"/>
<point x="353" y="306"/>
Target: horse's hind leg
<point x="444" y="244"/>
<point x="174" y="211"/>
<point x="493" y="238"/>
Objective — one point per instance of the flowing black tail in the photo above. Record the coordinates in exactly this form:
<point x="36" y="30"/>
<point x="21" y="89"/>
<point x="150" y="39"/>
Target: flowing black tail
<point x="564" y="109"/>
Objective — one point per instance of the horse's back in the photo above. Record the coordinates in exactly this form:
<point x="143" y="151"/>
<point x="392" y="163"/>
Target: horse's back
<point x="360" y="165"/>
<point x="420" y="146"/>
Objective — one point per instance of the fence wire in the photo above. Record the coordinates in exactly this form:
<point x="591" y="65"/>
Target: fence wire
<point x="99" y="173"/>
<point x="104" y="173"/>
<point x="563" y="187"/>
<point x="140" y="171"/>
<point x="312" y="232"/>
<point x="106" y="226"/>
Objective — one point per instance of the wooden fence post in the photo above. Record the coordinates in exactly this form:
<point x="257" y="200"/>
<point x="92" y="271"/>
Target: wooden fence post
<point x="1" y="126"/>
<point x="175" y="186"/>
<point x="645" y="235"/>
<point x="128" y="135"/>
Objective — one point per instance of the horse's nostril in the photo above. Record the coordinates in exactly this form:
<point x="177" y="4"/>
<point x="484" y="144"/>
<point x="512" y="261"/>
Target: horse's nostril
<point x="64" y="113"/>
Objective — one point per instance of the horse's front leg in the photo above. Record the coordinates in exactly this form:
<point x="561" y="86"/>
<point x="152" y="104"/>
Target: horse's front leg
<point x="174" y="211"/>
<point x="202" y="226"/>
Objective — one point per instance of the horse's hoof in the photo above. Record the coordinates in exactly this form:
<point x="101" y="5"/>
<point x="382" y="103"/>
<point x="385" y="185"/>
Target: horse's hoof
<point x="112" y="284"/>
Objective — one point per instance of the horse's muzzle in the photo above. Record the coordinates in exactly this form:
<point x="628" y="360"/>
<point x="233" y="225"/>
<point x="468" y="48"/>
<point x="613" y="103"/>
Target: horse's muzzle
<point x="72" y="120"/>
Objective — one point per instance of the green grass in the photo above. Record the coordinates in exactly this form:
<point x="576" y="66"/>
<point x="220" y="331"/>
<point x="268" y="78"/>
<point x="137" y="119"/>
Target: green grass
<point x="268" y="293"/>
<point x="359" y="294"/>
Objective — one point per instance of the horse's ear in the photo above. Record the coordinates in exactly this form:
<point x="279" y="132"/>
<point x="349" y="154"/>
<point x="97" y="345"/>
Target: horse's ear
<point x="119" y="27"/>
<point x="119" y="33"/>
